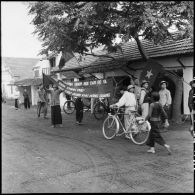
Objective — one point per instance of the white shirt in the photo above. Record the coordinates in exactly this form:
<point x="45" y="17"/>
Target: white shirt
<point x="128" y="100"/>
<point x="165" y="97"/>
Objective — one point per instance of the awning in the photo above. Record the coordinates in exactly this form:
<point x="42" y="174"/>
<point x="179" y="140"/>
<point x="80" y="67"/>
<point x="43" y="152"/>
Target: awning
<point x="29" y="82"/>
<point x="70" y="75"/>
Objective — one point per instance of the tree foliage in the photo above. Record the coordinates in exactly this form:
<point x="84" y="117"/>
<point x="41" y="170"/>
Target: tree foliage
<point x="82" y="26"/>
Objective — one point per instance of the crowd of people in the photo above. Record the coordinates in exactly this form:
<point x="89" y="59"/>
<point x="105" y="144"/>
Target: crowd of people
<point x="151" y="105"/>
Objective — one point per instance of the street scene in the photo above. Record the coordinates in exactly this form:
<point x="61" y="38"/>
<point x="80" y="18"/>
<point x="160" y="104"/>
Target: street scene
<point x="97" y="97"/>
<point x="40" y="159"/>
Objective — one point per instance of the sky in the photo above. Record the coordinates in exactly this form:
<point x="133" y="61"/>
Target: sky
<point x="17" y="39"/>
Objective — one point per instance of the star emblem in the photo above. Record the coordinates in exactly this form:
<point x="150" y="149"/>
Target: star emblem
<point x="149" y="74"/>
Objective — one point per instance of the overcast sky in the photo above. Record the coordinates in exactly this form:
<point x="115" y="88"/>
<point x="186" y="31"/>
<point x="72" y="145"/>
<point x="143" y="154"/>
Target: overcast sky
<point x="16" y="31"/>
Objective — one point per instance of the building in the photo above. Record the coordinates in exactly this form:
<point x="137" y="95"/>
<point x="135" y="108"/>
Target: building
<point x="175" y="56"/>
<point x="14" y="70"/>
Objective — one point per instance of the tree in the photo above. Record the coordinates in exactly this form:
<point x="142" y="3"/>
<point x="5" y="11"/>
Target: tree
<point x="83" y="26"/>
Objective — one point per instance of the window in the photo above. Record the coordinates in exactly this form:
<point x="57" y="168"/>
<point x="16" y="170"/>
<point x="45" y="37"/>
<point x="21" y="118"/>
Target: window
<point x="46" y="71"/>
<point x="52" y="62"/>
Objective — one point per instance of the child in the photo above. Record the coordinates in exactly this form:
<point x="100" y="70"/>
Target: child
<point x="155" y="112"/>
<point x="79" y="110"/>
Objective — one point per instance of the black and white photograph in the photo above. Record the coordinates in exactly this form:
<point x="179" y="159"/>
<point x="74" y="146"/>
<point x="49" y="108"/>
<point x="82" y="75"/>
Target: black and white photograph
<point x="97" y="97"/>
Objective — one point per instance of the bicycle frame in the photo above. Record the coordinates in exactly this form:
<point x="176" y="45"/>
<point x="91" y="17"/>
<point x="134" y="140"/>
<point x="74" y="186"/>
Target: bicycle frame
<point x="120" y="123"/>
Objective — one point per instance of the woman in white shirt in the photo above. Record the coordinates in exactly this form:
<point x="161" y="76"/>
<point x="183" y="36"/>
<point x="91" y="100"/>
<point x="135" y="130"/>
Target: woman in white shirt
<point x="129" y="101"/>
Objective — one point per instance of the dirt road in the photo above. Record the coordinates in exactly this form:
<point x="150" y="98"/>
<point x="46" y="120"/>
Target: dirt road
<point x="37" y="158"/>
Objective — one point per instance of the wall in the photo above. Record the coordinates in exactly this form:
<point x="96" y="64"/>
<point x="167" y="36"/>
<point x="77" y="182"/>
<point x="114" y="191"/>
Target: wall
<point x="40" y="65"/>
<point x="34" y="95"/>
<point x="6" y="80"/>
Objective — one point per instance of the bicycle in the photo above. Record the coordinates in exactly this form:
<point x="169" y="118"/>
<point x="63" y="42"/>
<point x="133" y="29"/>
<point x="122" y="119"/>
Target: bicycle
<point x="138" y="131"/>
<point x="101" y="109"/>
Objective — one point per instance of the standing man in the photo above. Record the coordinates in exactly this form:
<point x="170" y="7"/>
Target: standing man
<point x="165" y="98"/>
<point x="191" y="105"/>
<point x="128" y="100"/>
<point x="145" y="99"/>
<point x="79" y="110"/>
<point x="42" y="101"/>
<point x="68" y="97"/>
<point x="26" y="99"/>
<point x="56" y="116"/>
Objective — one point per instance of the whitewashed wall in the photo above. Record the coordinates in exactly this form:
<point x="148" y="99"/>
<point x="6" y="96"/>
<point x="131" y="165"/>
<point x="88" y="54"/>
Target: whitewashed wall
<point x="6" y="80"/>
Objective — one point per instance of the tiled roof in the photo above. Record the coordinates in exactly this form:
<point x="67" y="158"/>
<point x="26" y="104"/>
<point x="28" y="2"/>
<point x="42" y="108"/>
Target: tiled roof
<point x="86" y="61"/>
<point x="20" y="67"/>
<point x="131" y="53"/>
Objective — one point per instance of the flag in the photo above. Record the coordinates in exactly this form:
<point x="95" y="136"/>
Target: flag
<point x="47" y="80"/>
<point x="151" y="71"/>
<point x="66" y="56"/>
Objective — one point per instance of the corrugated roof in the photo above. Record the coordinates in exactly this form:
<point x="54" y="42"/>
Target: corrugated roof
<point x="20" y="67"/>
<point x="131" y="53"/>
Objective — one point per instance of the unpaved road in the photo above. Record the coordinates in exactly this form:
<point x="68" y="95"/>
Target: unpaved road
<point x="39" y="159"/>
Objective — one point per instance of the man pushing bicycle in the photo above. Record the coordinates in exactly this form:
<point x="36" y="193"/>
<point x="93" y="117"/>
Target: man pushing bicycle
<point x="129" y="101"/>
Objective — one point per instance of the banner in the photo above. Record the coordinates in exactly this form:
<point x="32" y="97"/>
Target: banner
<point x="151" y="71"/>
<point x="101" y="88"/>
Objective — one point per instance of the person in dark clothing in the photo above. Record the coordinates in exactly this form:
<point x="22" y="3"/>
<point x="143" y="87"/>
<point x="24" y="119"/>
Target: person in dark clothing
<point x="26" y="99"/>
<point x="191" y="105"/>
<point x="155" y="112"/>
<point x="56" y="116"/>
<point x="68" y="97"/>
<point x="79" y="110"/>
<point x="145" y="99"/>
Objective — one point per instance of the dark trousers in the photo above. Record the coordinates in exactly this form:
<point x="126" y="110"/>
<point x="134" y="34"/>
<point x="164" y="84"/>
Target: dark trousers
<point x="166" y="109"/>
<point x="155" y="136"/>
<point x="42" y="105"/>
<point x="26" y="103"/>
<point x="79" y="115"/>
<point x="16" y="103"/>
<point x="56" y="116"/>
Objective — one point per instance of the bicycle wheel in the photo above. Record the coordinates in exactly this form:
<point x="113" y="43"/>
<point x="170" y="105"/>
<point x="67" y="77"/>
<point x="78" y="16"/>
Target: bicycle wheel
<point x="110" y="127"/>
<point x="69" y="107"/>
<point x="139" y="132"/>
<point x="99" y="111"/>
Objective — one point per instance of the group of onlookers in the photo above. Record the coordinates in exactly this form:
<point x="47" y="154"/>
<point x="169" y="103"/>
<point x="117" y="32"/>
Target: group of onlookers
<point x="152" y="106"/>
